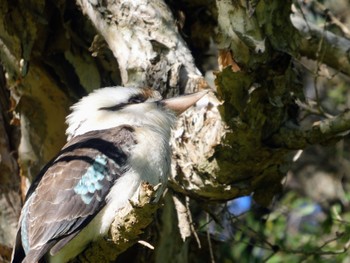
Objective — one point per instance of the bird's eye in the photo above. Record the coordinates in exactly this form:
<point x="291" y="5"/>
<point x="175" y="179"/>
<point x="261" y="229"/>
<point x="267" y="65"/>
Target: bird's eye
<point x="136" y="99"/>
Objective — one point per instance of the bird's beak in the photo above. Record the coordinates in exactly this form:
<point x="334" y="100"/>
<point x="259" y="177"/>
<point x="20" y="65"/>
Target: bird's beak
<point x="182" y="103"/>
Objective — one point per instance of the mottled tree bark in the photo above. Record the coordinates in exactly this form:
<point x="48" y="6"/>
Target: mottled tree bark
<point x="10" y="201"/>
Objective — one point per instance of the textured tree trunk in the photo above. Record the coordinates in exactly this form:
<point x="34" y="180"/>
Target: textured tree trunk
<point x="235" y="144"/>
<point x="10" y="201"/>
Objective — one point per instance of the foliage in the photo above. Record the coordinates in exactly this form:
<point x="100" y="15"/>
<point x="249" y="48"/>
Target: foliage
<point x="294" y="229"/>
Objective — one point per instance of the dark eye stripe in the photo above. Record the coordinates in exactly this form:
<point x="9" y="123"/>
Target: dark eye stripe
<point x="138" y="98"/>
<point x="115" y="107"/>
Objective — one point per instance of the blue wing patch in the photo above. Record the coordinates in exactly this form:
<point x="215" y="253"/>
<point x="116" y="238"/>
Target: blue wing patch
<point x="70" y="190"/>
<point x="91" y="181"/>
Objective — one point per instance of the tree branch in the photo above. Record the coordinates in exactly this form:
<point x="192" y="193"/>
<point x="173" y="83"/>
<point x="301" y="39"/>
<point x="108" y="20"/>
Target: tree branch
<point x="144" y="38"/>
<point x="125" y="229"/>
<point x="335" y="50"/>
<point x="320" y="132"/>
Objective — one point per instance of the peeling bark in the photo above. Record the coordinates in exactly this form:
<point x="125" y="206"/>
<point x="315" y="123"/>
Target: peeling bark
<point x="143" y="37"/>
<point x="257" y="95"/>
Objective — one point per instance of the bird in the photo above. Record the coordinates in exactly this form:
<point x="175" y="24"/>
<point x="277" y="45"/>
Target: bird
<point x="117" y="138"/>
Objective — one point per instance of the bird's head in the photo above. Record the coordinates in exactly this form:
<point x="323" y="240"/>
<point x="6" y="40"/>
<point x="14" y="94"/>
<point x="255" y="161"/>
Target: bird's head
<point x="113" y="106"/>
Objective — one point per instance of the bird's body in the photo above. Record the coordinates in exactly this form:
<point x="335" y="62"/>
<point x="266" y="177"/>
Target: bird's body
<point x="118" y="138"/>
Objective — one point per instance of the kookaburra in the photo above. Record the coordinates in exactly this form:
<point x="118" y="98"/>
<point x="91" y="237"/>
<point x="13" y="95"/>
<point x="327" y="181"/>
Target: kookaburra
<point x="118" y="137"/>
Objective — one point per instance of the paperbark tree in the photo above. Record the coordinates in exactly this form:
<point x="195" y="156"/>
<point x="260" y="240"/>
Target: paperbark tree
<point x="236" y="142"/>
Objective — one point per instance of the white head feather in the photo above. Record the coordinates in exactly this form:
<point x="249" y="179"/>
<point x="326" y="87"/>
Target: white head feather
<point x="94" y="112"/>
